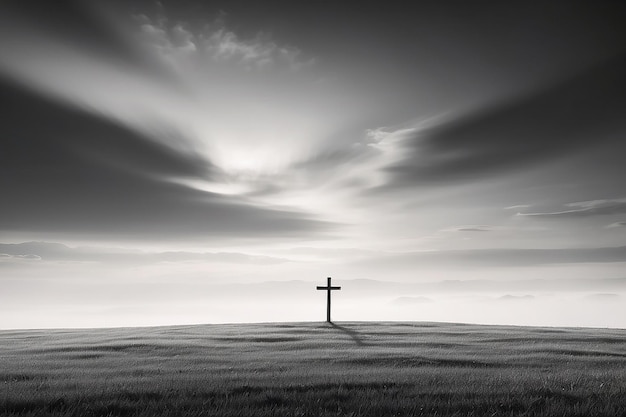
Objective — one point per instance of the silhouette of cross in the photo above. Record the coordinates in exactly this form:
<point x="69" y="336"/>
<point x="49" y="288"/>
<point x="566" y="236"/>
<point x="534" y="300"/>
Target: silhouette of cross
<point x="328" y="288"/>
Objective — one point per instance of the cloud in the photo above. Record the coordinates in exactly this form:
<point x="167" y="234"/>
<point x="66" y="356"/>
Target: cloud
<point x="574" y="114"/>
<point x="478" y="228"/>
<point x="585" y="209"/>
<point x="552" y="121"/>
<point x="18" y="257"/>
<point x="616" y="225"/>
<point x="497" y="257"/>
<point x="119" y="146"/>
<point x="29" y="256"/>
<point x="603" y="297"/>
<point x="74" y="172"/>
<point x="217" y="43"/>
<point x="54" y="252"/>
<point x="175" y="40"/>
<point x="517" y="207"/>
<point x="76" y="52"/>
<point x="353" y="165"/>
<point x="257" y="53"/>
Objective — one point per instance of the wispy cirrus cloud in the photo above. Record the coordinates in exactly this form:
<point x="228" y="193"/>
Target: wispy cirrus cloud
<point x="476" y="228"/>
<point x="585" y="209"/>
<point x="616" y="225"/>
<point x="517" y="207"/>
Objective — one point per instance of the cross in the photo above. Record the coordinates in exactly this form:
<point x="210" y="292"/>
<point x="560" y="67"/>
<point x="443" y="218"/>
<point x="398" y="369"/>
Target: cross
<point x="328" y="288"/>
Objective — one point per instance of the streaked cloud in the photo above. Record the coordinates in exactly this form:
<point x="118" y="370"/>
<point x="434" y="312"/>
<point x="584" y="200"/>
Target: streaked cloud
<point x="604" y="297"/>
<point x="585" y="209"/>
<point x="55" y="252"/>
<point x="94" y="176"/>
<point x="4" y="257"/>
<point x="550" y="122"/>
<point x="500" y="257"/>
<point x="471" y="228"/>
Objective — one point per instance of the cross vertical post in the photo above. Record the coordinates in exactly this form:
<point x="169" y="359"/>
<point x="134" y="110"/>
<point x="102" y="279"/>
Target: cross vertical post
<point x="328" y="288"/>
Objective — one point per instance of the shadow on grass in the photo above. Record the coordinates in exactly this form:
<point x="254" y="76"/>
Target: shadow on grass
<point x="353" y="335"/>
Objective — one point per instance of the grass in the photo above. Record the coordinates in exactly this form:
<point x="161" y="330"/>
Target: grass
<point x="314" y="369"/>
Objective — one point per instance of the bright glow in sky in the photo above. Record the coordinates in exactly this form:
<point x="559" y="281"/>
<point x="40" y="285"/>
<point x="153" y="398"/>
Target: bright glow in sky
<point x="171" y="162"/>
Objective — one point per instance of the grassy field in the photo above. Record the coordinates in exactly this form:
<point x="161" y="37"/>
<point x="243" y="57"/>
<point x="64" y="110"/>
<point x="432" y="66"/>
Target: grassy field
<point x="314" y="369"/>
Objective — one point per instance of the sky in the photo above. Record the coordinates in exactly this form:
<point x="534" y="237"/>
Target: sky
<point x="171" y="162"/>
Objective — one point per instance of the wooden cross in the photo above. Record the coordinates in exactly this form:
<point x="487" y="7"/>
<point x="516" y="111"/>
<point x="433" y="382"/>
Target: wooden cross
<point x="328" y="288"/>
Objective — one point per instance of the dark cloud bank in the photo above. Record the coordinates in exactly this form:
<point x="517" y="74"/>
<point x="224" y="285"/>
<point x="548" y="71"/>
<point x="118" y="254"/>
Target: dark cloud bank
<point x="571" y="115"/>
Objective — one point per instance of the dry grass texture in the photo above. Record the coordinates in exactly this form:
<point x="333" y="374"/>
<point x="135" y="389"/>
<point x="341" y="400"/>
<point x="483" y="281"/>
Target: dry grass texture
<point x="314" y="369"/>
